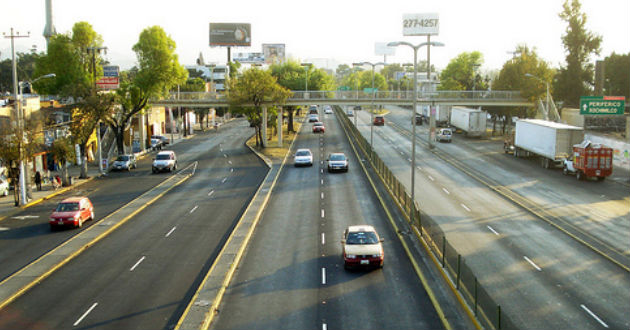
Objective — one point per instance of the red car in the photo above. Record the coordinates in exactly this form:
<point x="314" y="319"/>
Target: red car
<point x="72" y="211"/>
<point x="379" y="121"/>
<point x="318" y="127"/>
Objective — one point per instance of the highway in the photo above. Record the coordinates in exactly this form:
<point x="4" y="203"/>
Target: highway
<point x="292" y="276"/>
<point x="541" y="277"/>
<point x="143" y="274"/>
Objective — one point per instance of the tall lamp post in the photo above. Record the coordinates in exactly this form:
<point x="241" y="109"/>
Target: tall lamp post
<point x="373" y="97"/>
<point x="93" y="51"/>
<point x="306" y="67"/>
<point x="413" y="113"/>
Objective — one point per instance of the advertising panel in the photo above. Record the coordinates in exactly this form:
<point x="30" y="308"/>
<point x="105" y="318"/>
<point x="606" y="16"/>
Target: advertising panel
<point x="274" y="53"/>
<point x="110" y="78"/>
<point x="381" y="49"/>
<point x="249" y="57"/>
<point x="421" y="24"/>
<point x="230" y="34"/>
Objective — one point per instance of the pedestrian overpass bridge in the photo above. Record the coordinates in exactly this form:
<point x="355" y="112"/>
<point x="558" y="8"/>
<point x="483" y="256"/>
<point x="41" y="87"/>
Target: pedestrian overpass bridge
<point x="347" y="98"/>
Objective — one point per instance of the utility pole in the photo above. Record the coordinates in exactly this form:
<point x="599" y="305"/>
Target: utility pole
<point x="93" y="51"/>
<point x="19" y="115"/>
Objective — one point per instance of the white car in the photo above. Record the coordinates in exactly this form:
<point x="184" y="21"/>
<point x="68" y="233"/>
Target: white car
<point x="164" y="161"/>
<point x="303" y="157"/>
<point x="362" y="247"/>
<point x="328" y="110"/>
<point x="337" y="162"/>
<point x="444" y="134"/>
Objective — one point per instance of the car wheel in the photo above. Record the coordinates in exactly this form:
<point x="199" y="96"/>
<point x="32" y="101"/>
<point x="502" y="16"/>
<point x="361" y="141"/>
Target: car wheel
<point x="80" y="223"/>
<point x="92" y="215"/>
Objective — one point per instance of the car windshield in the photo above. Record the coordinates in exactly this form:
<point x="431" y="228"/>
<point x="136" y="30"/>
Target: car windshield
<point x="446" y="132"/>
<point x="163" y="157"/>
<point x="337" y="157"/>
<point x="122" y="158"/>
<point x="303" y="153"/>
<point x="362" y="238"/>
<point x="67" y="207"/>
<point x="318" y="124"/>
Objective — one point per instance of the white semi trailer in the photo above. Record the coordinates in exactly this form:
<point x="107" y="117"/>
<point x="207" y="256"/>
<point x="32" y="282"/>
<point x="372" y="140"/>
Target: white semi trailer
<point x="552" y="142"/>
<point x="471" y="121"/>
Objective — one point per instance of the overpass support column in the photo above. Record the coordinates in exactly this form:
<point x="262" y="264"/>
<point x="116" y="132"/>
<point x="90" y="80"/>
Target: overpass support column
<point x="280" y="127"/>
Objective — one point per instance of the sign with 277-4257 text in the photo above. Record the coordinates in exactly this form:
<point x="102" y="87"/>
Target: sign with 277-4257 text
<point x="602" y="105"/>
<point x="421" y="24"/>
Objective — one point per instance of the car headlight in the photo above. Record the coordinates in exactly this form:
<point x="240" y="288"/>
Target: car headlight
<point x="350" y="256"/>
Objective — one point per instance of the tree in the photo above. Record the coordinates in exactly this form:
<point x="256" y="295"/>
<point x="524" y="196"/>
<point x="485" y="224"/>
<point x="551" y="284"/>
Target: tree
<point x="65" y="60"/>
<point x="255" y="87"/>
<point x="63" y="152"/>
<point x="25" y="68"/>
<point x="577" y="77"/>
<point x="157" y="72"/>
<point x="615" y="83"/>
<point x="460" y="73"/>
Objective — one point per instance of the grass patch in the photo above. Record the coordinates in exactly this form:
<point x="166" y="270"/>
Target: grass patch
<point x="273" y="150"/>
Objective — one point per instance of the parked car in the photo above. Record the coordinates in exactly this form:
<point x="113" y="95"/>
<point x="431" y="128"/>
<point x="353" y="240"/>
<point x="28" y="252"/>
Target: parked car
<point x="444" y="134"/>
<point x="379" y="121"/>
<point x="303" y="157"/>
<point x="313" y="118"/>
<point x="164" y="161"/>
<point x="362" y="247"/>
<point x="4" y="186"/>
<point x="164" y="139"/>
<point x="156" y="144"/>
<point x="72" y="211"/>
<point x="124" y="162"/>
<point x="337" y="162"/>
<point x="318" y="127"/>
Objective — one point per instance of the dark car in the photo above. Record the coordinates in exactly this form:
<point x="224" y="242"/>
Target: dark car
<point x="418" y="120"/>
<point x="164" y="139"/>
<point x="379" y="121"/>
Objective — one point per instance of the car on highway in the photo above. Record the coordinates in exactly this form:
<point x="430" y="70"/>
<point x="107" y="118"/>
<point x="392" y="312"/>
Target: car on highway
<point x="328" y="110"/>
<point x="313" y="110"/>
<point x="303" y="157"/>
<point x="156" y="144"/>
<point x="379" y="120"/>
<point x="418" y="119"/>
<point x="337" y="162"/>
<point x="350" y="113"/>
<point x="362" y="247"/>
<point x="164" y="161"/>
<point x="164" y="139"/>
<point x="4" y="186"/>
<point x="124" y="162"/>
<point x="72" y="211"/>
<point x="444" y="134"/>
<point x="357" y="107"/>
<point x="313" y="118"/>
<point x="318" y="127"/>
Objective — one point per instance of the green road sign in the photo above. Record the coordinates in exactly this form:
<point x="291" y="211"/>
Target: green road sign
<point x="343" y="88"/>
<point x="602" y="105"/>
<point x="370" y="90"/>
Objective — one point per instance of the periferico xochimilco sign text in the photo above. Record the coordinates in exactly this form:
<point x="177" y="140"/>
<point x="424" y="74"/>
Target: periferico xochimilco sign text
<point x="602" y="105"/>
<point x="421" y="24"/>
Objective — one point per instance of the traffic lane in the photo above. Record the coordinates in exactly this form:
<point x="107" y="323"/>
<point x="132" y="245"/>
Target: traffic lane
<point x="128" y="301"/>
<point x="520" y="236"/>
<point x="275" y="285"/>
<point x="29" y="235"/>
<point x="392" y="297"/>
<point x="599" y="208"/>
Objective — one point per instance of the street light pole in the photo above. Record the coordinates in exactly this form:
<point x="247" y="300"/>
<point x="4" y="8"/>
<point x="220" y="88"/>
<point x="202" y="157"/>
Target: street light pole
<point x="373" y="65"/>
<point x="413" y="114"/>
<point x="306" y="67"/>
<point x="93" y="51"/>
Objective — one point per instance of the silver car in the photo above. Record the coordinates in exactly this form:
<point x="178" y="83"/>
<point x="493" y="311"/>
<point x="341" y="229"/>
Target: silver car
<point x="124" y="162"/>
<point x="303" y="157"/>
<point x="337" y="162"/>
<point x="444" y="134"/>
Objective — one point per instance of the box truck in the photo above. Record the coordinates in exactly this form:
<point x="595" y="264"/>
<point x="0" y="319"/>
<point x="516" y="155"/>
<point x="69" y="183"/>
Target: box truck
<point x="442" y="113"/>
<point x="552" y="142"/>
<point x="471" y="121"/>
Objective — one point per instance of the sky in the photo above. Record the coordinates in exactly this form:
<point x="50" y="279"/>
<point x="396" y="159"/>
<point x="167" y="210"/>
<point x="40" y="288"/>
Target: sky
<point x="324" y="32"/>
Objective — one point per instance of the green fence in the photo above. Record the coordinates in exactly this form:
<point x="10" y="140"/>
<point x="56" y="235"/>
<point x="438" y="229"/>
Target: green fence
<point x="485" y="309"/>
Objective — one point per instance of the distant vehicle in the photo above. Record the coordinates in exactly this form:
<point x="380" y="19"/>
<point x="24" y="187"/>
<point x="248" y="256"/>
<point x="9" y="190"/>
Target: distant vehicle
<point x="379" y="121"/>
<point x="156" y="144"/>
<point x="72" y="211"/>
<point x="164" y="139"/>
<point x="418" y="119"/>
<point x="350" y="113"/>
<point x="444" y="134"/>
<point x="337" y="162"/>
<point x="471" y="121"/>
<point x="328" y="109"/>
<point x="164" y="161"/>
<point x="124" y="162"/>
<point x="357" y="107"/>
<point x="318" y="127"/>
<point x="362" y="247"/>
<point x="441" y="114"/>
<point x="313" y="118"/>
<point x="303" y="157"/>
<point x="4" y="186"/>
<point x="550" y="141"/>
<point x="589" y="160"/>
<point x="313" y="110"/>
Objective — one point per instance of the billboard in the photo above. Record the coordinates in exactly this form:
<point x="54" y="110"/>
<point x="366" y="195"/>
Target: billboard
<point x="230" y="34"/>
<point x="249" y="58"/>
<point x="381" y="49"/>
<point x="274" y="53"/>
<point x="421" y="24"/>
<point x="110" y="78"/>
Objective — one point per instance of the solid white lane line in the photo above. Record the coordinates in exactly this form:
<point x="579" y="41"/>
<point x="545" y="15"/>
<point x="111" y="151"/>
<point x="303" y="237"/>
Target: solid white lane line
<point x="137" y="263"/>
<point x="532" y="263"/>
<point x="594" y="316"/>
<point x="194" y="208"/>
<point x="465" y="207"/>
<point x="322" y="213"/>
<point x="323" y="239"/>
<point x="323" y="275"/>
<point x="170" y="232"/>
<point x="84" y="315"/>
<point x="446" y="191"/>
<point x="492" y="230"/>
<point x="211" y="192"/>
<point x="431" y="178"/>
<point x="224" y="179"/>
